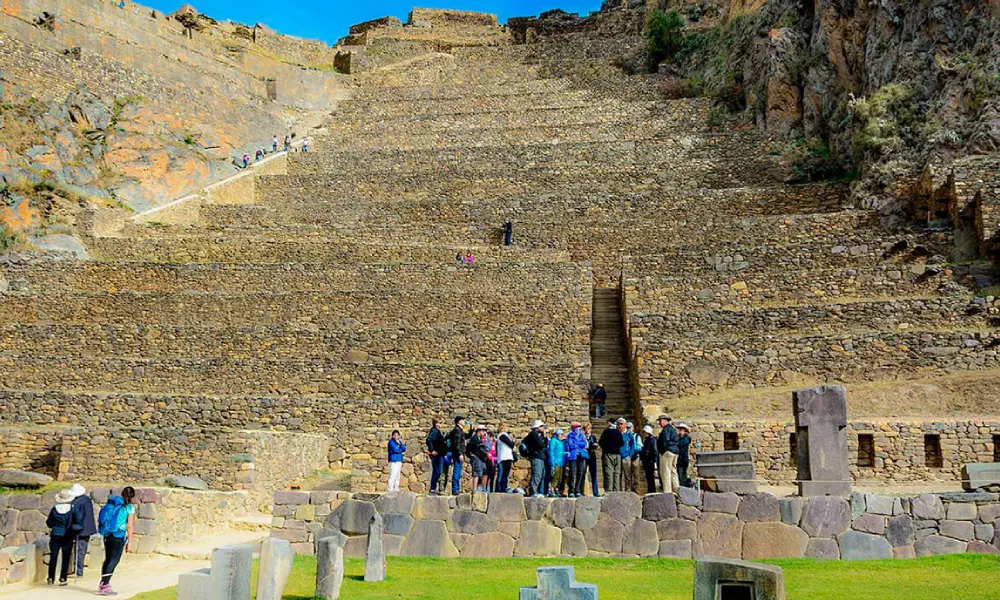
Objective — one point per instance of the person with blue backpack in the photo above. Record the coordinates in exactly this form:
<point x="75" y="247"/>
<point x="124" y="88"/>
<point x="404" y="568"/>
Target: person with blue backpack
<point x="116" y="524"/>
<point x="60" y="522"/>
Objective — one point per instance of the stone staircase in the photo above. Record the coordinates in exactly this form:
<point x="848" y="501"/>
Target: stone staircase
<point x="607" y="356"/>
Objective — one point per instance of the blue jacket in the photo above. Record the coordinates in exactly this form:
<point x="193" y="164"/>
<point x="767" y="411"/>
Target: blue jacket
<point x="631" y="447"/>
<point x="396" y="450"/>
<point x="557" y="452"/>
<point x="576" y="444"/>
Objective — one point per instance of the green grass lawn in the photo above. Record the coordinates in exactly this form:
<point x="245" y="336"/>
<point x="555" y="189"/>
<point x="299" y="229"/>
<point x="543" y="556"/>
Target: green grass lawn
<point x="958" y="577"/>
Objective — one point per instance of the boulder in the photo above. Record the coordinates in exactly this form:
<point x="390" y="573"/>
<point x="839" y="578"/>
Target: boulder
<point x="562" y="511"/>
<point x="471" y="522"/>
<point x="28" y="479"/>
<point x="676" y="529"/>
<point x="623" y="507"/>
<point x="587" y="511"/>
<point x="395" y="503"/>
<point x="726" y="502"/>
<point x="855" y="545"/>
<point x="901" y="531"/>
<point x="351" y="517"/>
<point x="489" y="545"/>
<point x="506" y="507"/>
<point x="573" y="542"/>
<point x="675" y="549"/>
<point x="927" y="506"/>
<point x="607" y="536"/>
<point x="759" y="507"/>
<point x="538" y="538"/>
<point x="823" y="548"/>
<point x="185" y="482"/>
<point x="657" y="507"/>
<point x="773" y="540"/>
<point x="935" y="545"/>
<point x="977" y="547"/>
<point x="429" y="538"/>
<point x="641" y="538"/>
<point x="720" y="534"/>
<point x="826" y="516"/>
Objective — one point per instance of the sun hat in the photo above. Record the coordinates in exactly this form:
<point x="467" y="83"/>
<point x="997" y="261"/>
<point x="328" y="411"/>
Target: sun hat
<point x="537" y="423"/>
<point x="683" y="426"/>
<point x="663" y="417"/>
<point x="648" y="429"/>
<point x="630" y="425"/>
<point x="480" y="427"/>
<point x="621" y="420"/>
<point x="77" y="490"/>
<point x="64" y="497"/>
<point x="559" y="432"/>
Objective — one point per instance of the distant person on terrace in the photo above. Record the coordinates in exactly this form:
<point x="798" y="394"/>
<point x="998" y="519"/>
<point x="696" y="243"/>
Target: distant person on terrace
<point x="599" y="396"/>
<point x="396" y="449"/>
<point x="456" y="452"/>
<point x="436" y="451"/>
<point x="505" y="458"/>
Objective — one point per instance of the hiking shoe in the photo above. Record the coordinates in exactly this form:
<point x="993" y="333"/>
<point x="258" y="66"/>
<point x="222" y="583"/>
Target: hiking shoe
<point x="63" y="582"/>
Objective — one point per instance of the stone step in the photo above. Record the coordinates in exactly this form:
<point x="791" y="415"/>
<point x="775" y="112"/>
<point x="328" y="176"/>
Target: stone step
<point x="383" y="95"/>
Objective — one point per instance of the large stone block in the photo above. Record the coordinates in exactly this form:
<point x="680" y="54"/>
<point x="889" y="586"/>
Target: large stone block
<point x="506" y="507"/>
<point x="901" y="531"/>
<point x="959" y="530"/>
<point x="961" y="511"/>
<point x="231" y="572"/>
<point x="588" y="510"/>
<point x="397" y="524"/>
<point x="763" y="540"/>
<point x="471" y="522"/>
<point x="194" y="585"/>
<point x="676" y="529"/>
<point x="657" y="507"/>
<point x="429" y="538"/>
<point x="869" y="523"/>
<point x="375" y="554"/>
<point x="641" y="538"/>
<point x="675" y="549"/>
<point x="980" y="475"/>
<point x="607" y="536"/>
<point x="562" y="512"/>
<point x="934" y="545"/>
<point x="727" y="502"/>
<point x="711" y="575"/>
<point x="977" y="547"/>
<point x="8" y="521"/>
<point x="927" y="506"/>
<point x="396" y="503"/>
<point x="28" y="479"/>
<point x="31" y="520"/>
<point x="880" y="505"/>
<point x="489" y="545"/>
<point x="720" y="534"/>
<point x="759" y="507"/>
<point x="820" y="427"/>
<point x="855" y="545"/>
<point x="823" y="548"/>
<point x="689" y="496"/>
<point x="432" y="508"/>
<point x="558" y="583"/>
<point x="535" y="508"/>
<point x="275" y="565"/>
<point x="826" y="516"/>
<point x="538" y="538"/>
<point x="573" y="542"/>
<point x="329" y="568"/>
<point x="623" y="507"/>
<point x="351" y="517"/>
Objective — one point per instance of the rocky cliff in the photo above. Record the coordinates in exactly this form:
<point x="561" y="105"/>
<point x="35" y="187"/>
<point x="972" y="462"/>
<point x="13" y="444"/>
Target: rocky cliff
<point x="104" y="105"/>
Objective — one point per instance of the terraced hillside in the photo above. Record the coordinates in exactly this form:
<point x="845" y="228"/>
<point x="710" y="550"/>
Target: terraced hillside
<point x="333" y="303"/>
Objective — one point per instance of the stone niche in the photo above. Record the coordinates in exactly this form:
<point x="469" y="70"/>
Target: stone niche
<point x="728" y="579"/>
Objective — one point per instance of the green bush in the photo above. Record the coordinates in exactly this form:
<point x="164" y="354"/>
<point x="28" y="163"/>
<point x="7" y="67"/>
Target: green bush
<point x="7" y="237"/>
<point x="664" y="37"/>
<point x="884" y="121"/>
<point x="813" y="161"/>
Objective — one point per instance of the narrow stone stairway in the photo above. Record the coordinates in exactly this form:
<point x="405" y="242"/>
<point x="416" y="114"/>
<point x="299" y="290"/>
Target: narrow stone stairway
<point x="607" y="356"/>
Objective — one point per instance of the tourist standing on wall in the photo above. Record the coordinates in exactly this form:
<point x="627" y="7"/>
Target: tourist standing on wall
<point x="60" y="524"/>
<point x="396" y="450"/>
<point x="533" y="448"/>
<point x="666" y="443"/>
<point x="683" y="457"/>
<point x="491" y="461"/>
<point x="591" y="457"/>
<point x="576" y="457"/>
<point x="611" y="454"/>
<point x="630" y="459"/>
<point x="436" y="450"/>
<point x="557" y="463"/>
<point x="505" y="458"/>
<point x="456" y="453"/>
<point x="649" y="456"/>
<point x="116" y="523"/>
<point x="476" y="450"/>
<point x="84" y="525"/>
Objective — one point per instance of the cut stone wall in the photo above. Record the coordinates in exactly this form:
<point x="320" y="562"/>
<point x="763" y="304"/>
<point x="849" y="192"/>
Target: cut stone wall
<point x="753" y="527"/>
<point x="187" y="515"/>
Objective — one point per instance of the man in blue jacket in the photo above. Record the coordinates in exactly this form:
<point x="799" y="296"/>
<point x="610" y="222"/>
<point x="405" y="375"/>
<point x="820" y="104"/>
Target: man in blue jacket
<point x="668" y="445"/>
<point x="630" y="459"/>
<point x="83" y="524"/>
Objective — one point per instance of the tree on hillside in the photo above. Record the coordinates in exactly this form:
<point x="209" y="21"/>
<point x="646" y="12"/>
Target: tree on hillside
<point x="191" y="23"/>
<point x="664" y="37"/>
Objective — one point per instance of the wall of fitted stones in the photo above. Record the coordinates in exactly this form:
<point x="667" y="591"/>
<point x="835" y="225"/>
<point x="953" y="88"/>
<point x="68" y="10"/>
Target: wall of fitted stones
<point x="187" y="515"/>
<point x="22" y="522"/>
<point x="30" y="449"/>
<point x="752" y="527"/>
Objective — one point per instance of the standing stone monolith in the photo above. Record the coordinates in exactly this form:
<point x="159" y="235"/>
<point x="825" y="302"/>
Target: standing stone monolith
<point x="194" y="585"/>
<point x="558" y="583"/>
<point x="821" y="433"/>
<point x="329" y="568"/>
<point x="375" y="557"/>
<point x="275" y="565"/>
<point x="231" y="573"/>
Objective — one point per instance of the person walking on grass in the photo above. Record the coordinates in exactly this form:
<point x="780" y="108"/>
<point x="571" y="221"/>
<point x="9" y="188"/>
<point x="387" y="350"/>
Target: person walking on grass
<point x="533" y="448"/>
<point x="649" y="456"/>
<point x="576" y="458"/>
<point x="396" y="449"/>
<point x="591" y="457"/>
<point x="116" y="524"/>
<point x="436" y="450"/>
<point x="505" y="458"/>
<point x="557" y="463"/>
<point x="84" y="524"/>
<point x="611" y="443"/>
<point x="630" y="459"/>
<point x="667" y="444"/>
<point x="457" y="439"/>
<point x="61" y="537"/>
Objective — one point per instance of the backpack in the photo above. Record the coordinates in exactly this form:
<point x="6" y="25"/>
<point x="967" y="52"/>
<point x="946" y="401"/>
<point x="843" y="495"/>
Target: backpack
<point x="113" y="518"/>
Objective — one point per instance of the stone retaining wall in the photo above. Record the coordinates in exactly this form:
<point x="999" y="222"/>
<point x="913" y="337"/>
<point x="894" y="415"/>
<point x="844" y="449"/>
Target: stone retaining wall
<point x="753" y="527"/>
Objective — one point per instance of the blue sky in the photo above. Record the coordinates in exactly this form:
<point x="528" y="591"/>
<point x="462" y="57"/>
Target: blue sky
<point x="329" y="20"/>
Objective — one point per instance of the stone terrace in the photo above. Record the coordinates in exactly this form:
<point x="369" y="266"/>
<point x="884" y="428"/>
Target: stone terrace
<point x="332" y="302"/>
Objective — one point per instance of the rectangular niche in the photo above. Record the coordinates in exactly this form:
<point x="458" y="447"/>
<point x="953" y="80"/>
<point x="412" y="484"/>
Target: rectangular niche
<point x="933" y="458"/>
<point x="866" y="450"/>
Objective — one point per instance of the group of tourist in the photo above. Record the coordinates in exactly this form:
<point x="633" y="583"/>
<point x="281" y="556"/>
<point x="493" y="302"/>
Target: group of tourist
<point x="465" y="259"/>
<point x="71" y="526"/>
<point x="561" y="462"/>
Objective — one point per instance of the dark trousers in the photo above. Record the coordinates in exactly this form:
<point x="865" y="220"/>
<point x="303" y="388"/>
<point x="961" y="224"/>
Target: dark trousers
<point x="113" y="550"/>
<point x="456" y="477"/>
<point x="592" y="467"/>
<point x="682" y="475"/>
<point x="503" y="477"/>
<point x="437" y="465"/>
<point x="82" y="545"/>
<point x="649" y="468"/>
<point x="60" y="545"/>
<point x="577" y="469"/>
<point x="491" y="475"/>
<point x="547" y="478"/>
